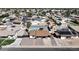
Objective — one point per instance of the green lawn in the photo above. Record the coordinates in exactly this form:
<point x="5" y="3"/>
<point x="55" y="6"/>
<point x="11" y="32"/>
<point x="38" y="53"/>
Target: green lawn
<point x="1" y="40"/>
<point x="4" y="42"/>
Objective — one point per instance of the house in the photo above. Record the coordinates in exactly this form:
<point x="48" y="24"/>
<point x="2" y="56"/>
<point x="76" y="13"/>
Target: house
<point x="39" y="21"/>
<point x="26" y="19"/>
<point x="1" y="23"/>
<point x="75" y="28"/>
<point x="22" y="33"/>
<point x="64" y="33"/>
<point x="75" y="18"/>
<point x="3" y="27"/>
<point x="12" y="16"/>
<point x="8" y="19"/>
<point x="39" y="31"/>
<point x="16" y="22"/>
<point x="58" y="20"/>
<point x="6" y="33"/>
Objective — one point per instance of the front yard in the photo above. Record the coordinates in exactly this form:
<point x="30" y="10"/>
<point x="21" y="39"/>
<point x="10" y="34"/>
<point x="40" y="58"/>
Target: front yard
<point x="6" y="41"/>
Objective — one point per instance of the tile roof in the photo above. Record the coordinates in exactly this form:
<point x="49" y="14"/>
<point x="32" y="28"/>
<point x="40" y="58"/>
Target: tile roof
<point x="39" y="33"/>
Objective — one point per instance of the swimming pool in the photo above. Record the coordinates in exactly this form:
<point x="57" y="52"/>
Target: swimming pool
<point x="38" y="27"/>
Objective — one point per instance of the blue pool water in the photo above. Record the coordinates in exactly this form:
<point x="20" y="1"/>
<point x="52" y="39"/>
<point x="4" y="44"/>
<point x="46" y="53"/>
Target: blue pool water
<point x="37" y="27"/>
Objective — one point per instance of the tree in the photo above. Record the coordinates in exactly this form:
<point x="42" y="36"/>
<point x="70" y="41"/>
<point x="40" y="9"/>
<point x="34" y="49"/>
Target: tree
<point x="67" y="13"/>
<point x="28" y="24"/>
<point x="29" y="14"/>
<point x="5" y="15"/>
<point x="74" y="11"/>
<point x="43" y="13"/>
<point x="16" y="12"/>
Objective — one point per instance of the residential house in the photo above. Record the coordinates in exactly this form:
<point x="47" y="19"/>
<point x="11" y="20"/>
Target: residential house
<point x="39" y="21"/>
<point x="75" y="29"/>
<point x="75" y="18"/>
<point x="63" y="33"/>
<point x="39" y="31"/>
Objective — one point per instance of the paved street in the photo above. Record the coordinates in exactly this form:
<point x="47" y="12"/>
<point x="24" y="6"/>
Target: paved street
<point x="53" y="42"/>
<point x="38" y="42"/>
<point x="31" y="42"/>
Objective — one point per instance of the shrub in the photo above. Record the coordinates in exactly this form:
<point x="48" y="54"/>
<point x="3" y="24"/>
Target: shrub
<point x="28" y="24"/>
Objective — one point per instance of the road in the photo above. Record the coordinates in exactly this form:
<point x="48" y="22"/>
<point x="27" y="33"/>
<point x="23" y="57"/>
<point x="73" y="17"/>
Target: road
<point x="47" y="42"/>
